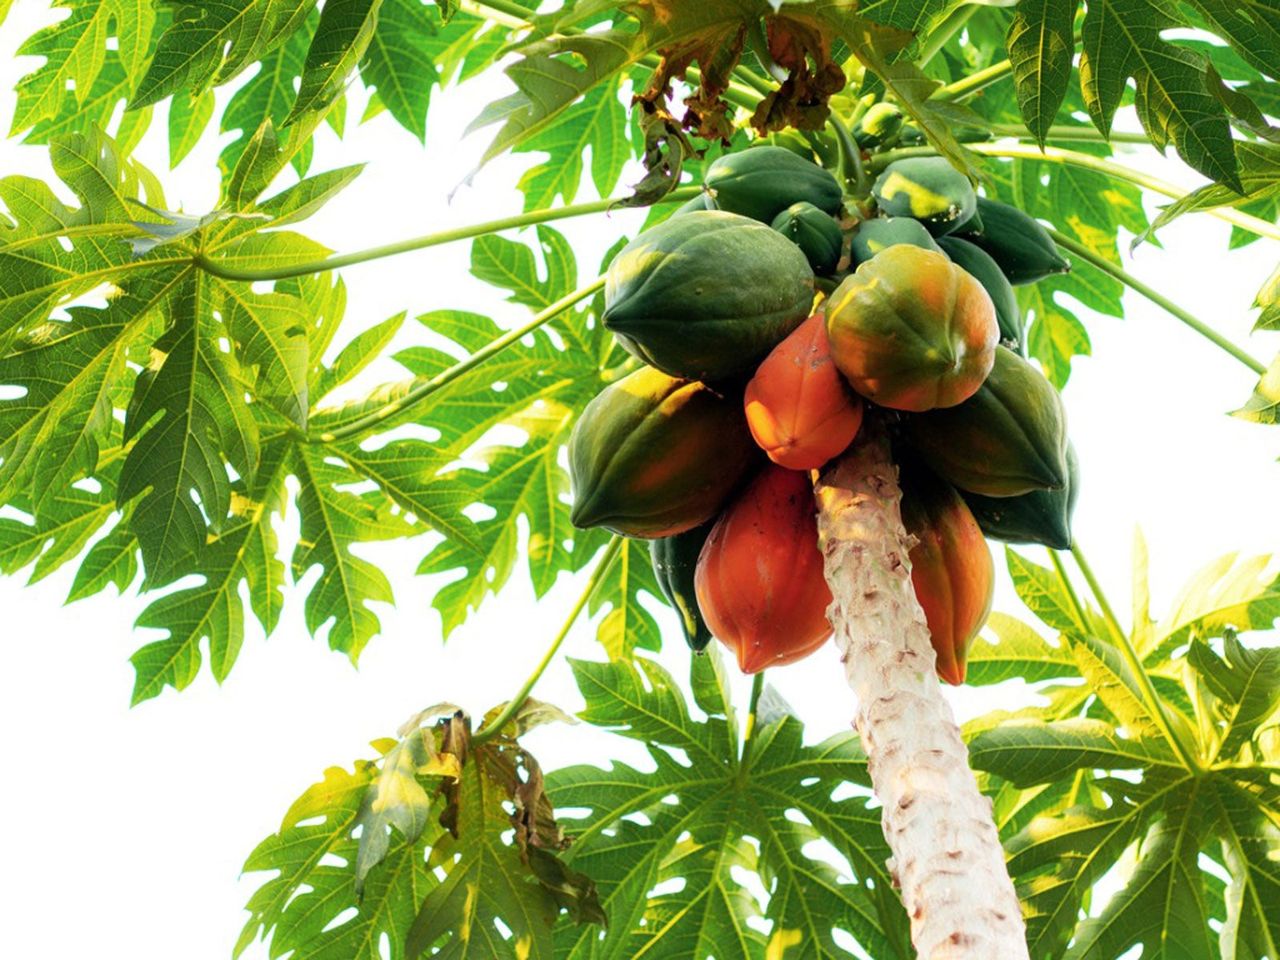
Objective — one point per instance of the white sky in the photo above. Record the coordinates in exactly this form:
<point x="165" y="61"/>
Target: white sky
<point x="128" y="827"/>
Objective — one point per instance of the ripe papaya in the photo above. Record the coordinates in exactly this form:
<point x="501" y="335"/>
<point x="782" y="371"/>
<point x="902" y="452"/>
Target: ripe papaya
<point x="929" y="189"/>
<point x="988" y="273"/>
<point x="706" y="295"/>
<point x="760" y="581"/>
<point x="1022" y="248"/>
<point x="1041" y="516"/>
<point x="816" y="234"/>
<point x="1008" y="439"/>
<point x="881" y="122"/>
<point x="951" y="568"/>
<point x="652" y="456"/>
<point x="879" y="233"/>
<point x="675" y="561"/>
<point x="763" y="181"/>
<point x="911" y="330"/>
<point x="799" y="408"/>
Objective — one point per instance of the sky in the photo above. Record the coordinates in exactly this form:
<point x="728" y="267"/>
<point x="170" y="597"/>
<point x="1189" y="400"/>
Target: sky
<point x="137" y="820"/>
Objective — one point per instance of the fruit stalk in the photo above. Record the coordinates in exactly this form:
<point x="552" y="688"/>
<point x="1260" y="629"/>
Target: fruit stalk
<point x="947" y="859"/>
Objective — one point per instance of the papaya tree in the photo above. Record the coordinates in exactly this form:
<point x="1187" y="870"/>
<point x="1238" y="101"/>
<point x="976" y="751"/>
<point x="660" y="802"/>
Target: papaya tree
<point x="814" y="379"/>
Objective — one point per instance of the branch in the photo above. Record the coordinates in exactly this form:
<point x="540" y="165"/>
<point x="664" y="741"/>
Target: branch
<point x="974" y="82"/>
<point x="494" y="727"/>
<point x="938" y="38"/>
<point x="1125" y="645"/>
<point x="1199" y="326"/>
<point x="423" y="390"/>
<point x="218" y="269"/>
<point x="1066" y="132"/>
<point x="947" y="857"/>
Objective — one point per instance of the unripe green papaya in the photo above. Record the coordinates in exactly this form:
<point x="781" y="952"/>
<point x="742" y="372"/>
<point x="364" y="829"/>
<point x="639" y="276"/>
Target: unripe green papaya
<point x="763" y="181"/>
<point x="880" y="122"/>
<point x="706" y="295"/>
<point x="691" y="205"/>
<point x="1041" y="516"/>
<point x="1022" y="248"/>
<point x="928" y="189"/>
<point x="811" y="145"/>
<point x="675" y="561"/>
<point x="1007" y="439"/>
<point x="653" y="456"/>
<point x="879" y="233"/>
<point x="988" y="273"/>
<point x="816" y="234"/>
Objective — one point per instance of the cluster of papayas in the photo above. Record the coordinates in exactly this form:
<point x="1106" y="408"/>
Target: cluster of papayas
<point x="753" y="380"/>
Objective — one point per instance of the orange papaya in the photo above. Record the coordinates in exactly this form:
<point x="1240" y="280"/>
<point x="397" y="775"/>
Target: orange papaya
<point x="911" y="330"/>
<point x="799" y="409"/>
<point x="760" y="582"/>
<point x="951" y="568"/>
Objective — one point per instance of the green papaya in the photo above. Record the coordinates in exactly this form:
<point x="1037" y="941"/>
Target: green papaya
<point x="653" y="456"/>
<point x="816" y="234"/>
<point x="675" y="561"/>
<point x="815" y="147"/>
<point x="1023" y="249"/>
<point x="763" y="181"/>
<point x="706" y="295"/>
<point x="1041" y="516"/>
<point x="1007" y="439"/>
<point x="928" y="189"/>
<point x="874" y="235"/>
<point x="987" y="272"/>
<point x="881" y="122"/>
<point x="691" y="205"/>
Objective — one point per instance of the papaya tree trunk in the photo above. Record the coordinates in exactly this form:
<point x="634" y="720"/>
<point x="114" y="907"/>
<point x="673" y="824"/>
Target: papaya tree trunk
<point x="947" y="859"/>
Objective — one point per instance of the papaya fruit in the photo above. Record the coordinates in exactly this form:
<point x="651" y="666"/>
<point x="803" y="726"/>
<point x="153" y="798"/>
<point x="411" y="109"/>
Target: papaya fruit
<point x="1008" y="439"/>
<point x="1041" y="516"/>
<point x="881" y="122"/>
<point x="706" y="295"/>
<point x="675" y="561"/>
<point x="911" y="330"/>
<point x="653" y="456"/>
<point x="692" y="204"/>
<point x="987" y="272"/>
<point x="760" y="581"/>
<point x="928" y="189"/>
<point x="763" y="181"/>
<point x="1016" y="241"/>
<point x="799" y="409"/>
<point x="951" y="568"/>
<point x="816" y="234"/>
<point x="814" y="146"/>
<point x="879" y="233"/>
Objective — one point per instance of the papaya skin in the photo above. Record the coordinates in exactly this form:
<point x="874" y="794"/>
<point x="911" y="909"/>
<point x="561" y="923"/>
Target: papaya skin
<point x="760" y="582"/>
<point x="951" y="569"/>
<point x="799" y="409"/>
<point x="911" y="331"/>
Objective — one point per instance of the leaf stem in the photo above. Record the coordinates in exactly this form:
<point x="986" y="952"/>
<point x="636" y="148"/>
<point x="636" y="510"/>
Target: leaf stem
<point x="226" y="272"/>
<point x="1082" y="618"/>
<point x="1117" y="171"/>
<point x="499" y="11"/>
<point x="1125" y="645"/>
<point x="494" y="728"/>
<point x="1062" y="131"/>
<point x="938" y="38"/>
<point x="749" y="728"/>
<point x="1199" y="326"/>
<point x="423" y="390"/>
<point x="974" y="82"/>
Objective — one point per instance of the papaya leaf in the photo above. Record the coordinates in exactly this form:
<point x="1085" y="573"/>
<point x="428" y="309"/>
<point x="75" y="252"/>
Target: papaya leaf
<point x="1245" y="685"/>
<point x="1019" y="651"/>
<point x="399" y="64"/>
<point x="340" y="40"/>
<point x="188" y="117"/>
<point x="687" y="820"/>
<point x="1041" y="46"/>
<point x="1040" y="589"/>
<point x="1228" y="594"/>
<point x="1268" y="302"/>
<point x="297" y="908"/>
<point x="1264" y="405"/>
<point x="627" y="626"/>
<point x="1249" y="841"/>
<point x="1260" y="183"/>
<point x="1163" y="904"/>
<point x="1251" y="27"/>
<point x="1029" y="752"/>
